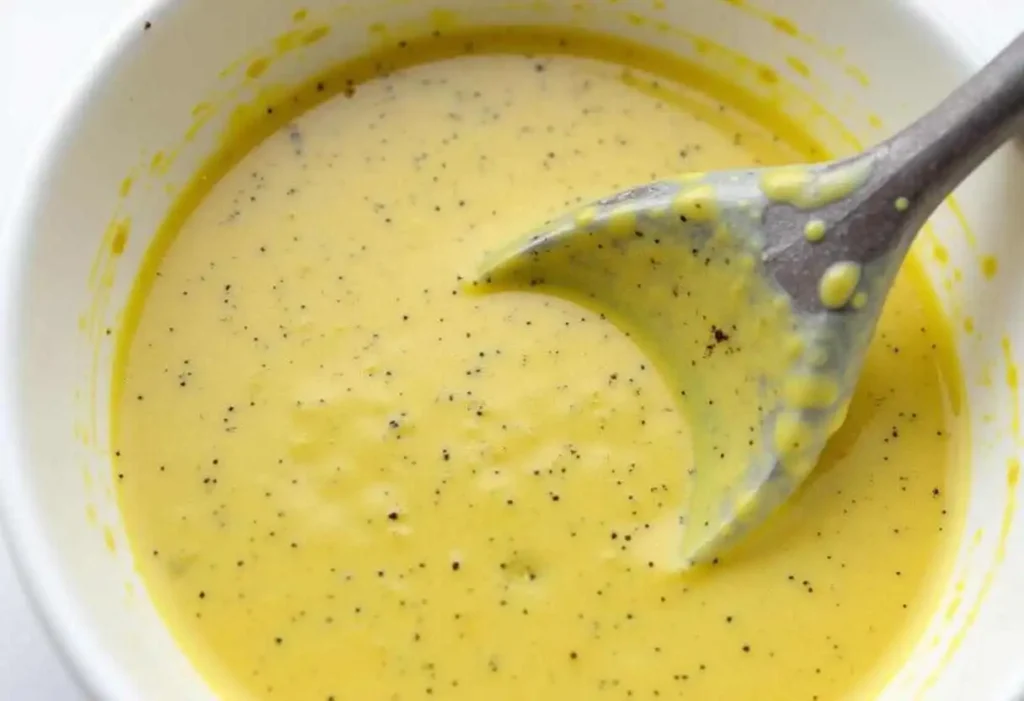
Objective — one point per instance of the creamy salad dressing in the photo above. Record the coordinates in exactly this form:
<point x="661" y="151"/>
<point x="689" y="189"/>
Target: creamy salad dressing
<point x="346" y="478"/>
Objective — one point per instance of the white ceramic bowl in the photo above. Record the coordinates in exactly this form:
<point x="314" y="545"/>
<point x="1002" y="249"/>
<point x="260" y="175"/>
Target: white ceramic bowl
<point x="169" y="87"/>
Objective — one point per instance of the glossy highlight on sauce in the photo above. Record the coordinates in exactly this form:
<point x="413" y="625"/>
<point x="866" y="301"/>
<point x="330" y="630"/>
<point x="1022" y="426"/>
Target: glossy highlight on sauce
<point x="344" y="478"/>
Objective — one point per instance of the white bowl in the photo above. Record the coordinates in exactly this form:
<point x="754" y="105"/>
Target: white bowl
<point x="874" y="64"/>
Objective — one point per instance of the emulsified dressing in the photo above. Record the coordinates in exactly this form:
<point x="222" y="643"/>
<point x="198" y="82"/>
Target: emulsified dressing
<point x="345" y="478"/>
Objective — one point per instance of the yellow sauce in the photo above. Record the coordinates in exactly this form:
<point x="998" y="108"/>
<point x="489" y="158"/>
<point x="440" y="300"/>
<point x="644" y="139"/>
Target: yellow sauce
<point x="344" y="478"/>
<point x="786" y="184"/>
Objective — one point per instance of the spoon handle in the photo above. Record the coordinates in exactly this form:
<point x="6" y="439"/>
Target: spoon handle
<point x="927" y="160"/>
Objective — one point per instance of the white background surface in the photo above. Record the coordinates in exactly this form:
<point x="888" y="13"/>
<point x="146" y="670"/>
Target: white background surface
<point x="45" y="46"/>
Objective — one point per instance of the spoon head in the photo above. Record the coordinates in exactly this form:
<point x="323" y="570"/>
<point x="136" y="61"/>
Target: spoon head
<point x="763" y="378"/>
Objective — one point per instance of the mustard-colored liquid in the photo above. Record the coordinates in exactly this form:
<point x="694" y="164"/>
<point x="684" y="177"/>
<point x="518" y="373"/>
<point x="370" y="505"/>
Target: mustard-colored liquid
<point x="344" y="478"/>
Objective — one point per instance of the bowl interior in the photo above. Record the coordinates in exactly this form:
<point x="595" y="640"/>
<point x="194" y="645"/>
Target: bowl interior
<point x="146" y="120"/>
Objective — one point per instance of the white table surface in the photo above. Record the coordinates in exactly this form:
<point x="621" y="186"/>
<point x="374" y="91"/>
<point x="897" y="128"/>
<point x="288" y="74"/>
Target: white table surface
<point x="44" y="46"/>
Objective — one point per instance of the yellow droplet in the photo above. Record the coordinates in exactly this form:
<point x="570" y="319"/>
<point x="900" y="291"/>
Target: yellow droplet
<point x="289" y="41"/>
<point x="798" y="187"/>
<point x="838" y="183"/>
<point x="859" y="300"/>
<point x="814" y="231"/>
<point x="1012" y="381"/>
<point x="126" y="186"/>
<point x="314" y="35"/>
<point x="257" y="68"/>
<point x="798" y="66"/>
<point x="858" y="75"/>
<point x="108" y="539"/>
<point x="989" y="266"/>
<point x="697" y="204"/>
<point x="785" y="26"/>
<point x="838" y="283"/>
<point x="201" y="109"/>
<point x="120" y="238"/>
<point x="901" y="204"/>
<point x="767" y="75"/>
<point x="784" y="185"/>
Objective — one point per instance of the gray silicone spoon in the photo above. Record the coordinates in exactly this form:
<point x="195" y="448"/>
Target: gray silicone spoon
<point x="826" y="238"/>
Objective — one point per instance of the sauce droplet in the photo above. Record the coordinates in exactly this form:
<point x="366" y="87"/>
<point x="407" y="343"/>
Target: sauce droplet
<point x="838" y="283"/>
<point x="815" y="230"/>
